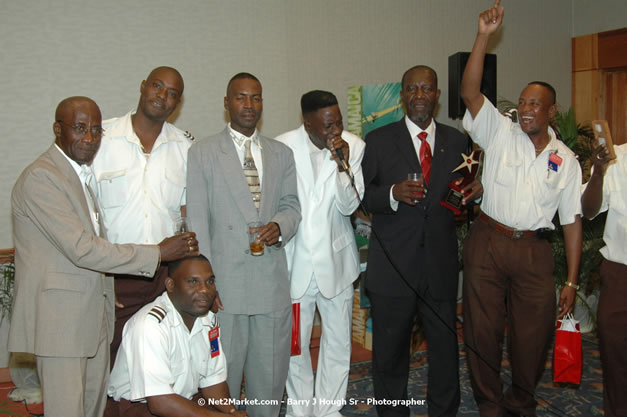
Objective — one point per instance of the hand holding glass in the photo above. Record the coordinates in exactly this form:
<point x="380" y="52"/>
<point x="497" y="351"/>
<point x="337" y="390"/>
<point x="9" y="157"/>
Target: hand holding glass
<point x="256" y="246"/>
<point x="416" y="177"/>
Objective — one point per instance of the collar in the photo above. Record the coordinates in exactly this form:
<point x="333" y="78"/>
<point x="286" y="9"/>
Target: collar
<point x="553" y="145"/>
<point x="239" y="138"/>
<point x="83" y="171"/>
<point x="124" y="128"/>
<point x="210" y="319"/>
<point x="313" y="149"/>
<point x="414" y="129"/>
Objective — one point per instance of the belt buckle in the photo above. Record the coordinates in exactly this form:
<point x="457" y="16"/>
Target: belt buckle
<point x="517" y="234"/>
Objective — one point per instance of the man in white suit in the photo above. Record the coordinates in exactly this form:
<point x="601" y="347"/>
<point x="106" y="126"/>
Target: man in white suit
<point x="322" y="258"/>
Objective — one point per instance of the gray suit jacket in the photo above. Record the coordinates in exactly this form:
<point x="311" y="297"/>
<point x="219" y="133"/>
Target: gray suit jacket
<point x="60" y="296"/>
<point x="219" y="207"/>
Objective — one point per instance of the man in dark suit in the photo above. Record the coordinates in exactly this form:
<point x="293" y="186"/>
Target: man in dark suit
<point x="418" y="233"/>
<point x="63" y="303"/>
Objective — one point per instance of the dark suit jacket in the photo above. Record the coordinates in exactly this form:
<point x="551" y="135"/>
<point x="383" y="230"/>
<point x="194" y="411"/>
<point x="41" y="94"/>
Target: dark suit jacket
<point x="421" y="239"/>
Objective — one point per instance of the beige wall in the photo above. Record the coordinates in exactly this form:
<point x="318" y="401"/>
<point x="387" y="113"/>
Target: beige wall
<point x="598" y="16"/>
<point x="103" y="49"/>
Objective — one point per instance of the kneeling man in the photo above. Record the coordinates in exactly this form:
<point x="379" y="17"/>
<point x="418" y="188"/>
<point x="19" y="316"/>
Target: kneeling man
<point x="171" y="362"/>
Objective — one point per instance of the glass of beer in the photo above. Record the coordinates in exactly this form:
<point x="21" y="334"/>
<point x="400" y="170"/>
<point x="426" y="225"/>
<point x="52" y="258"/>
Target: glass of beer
<point x="256" y="246"/>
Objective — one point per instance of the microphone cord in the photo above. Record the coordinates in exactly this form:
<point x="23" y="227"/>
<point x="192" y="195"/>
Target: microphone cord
<point x="550" y="408"/>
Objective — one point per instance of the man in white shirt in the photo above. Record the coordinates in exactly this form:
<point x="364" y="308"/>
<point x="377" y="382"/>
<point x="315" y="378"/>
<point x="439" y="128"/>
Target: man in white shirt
<point x="607" y="191"/>
<point x="171" y="361"/>
<point x="322" y="257"/>
<point x="140" y="173"/>
<point x="528" y="176"/>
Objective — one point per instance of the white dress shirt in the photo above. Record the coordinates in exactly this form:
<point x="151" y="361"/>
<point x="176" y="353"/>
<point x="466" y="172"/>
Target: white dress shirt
<point x="160" y="357"/>
<point x="520" y="190"/>
<point x="615" y="203"/>
<point x="86" y="176"/>
<point x="414" y="131"/>
<point x="140" y="195"/>
<point x="255" y="149"/>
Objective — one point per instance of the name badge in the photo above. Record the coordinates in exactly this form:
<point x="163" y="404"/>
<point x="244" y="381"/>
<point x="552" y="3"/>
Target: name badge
<point x="554" y="161"/>
<point x="213" y="341"/>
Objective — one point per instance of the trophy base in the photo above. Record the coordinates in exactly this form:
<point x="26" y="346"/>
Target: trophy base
<point x="453" y="201"/>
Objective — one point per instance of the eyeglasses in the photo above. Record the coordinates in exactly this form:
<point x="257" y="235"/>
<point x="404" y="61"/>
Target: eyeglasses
<point x="82" y="130"/>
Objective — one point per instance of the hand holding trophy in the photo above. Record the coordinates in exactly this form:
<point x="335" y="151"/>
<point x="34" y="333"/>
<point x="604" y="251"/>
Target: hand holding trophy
<point x="470" y="169"/>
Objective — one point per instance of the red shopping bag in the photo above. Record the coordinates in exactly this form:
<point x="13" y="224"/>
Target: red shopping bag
<point x="567" y="357"/>
<point x="295" y="329"/>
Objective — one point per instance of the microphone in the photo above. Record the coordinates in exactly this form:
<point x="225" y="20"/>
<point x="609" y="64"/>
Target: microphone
<point x="347" y="168"/>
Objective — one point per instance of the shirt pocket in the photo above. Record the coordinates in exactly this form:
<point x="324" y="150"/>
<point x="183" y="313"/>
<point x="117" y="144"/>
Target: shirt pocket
<point x="173" y="189"/>
<point x="508" y="169"/>
<point x="553" y="183"/>
<point x="112" y="187"/>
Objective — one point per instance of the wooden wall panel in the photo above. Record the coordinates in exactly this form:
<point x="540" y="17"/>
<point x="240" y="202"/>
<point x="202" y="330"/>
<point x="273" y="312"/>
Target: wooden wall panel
<point x="614" y="104"/>
<point x="599" y="69"/>
<point x="585" y="56"/>
<point x="586" y="95"/>
<point x="612" y="49"/>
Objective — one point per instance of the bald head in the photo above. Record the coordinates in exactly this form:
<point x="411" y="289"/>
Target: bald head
<point x="161" y="93"/>
<point x="161" y="70"/>
<point x="78" y="128"/>
<point x="67" y="106"/>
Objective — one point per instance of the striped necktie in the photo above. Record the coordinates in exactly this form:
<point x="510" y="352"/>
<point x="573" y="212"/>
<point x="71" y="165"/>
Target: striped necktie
<point x="251" y="174"/>
<point x="425" y="156"/>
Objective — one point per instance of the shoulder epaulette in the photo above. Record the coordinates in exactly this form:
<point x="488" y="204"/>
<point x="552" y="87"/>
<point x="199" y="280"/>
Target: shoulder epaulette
<point x="158" y="312"/>
<point x="189" y="135"/>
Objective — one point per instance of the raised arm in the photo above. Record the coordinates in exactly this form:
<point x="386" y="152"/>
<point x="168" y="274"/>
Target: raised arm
<point x="489" y="22"/>
<point x="593" y="195"/>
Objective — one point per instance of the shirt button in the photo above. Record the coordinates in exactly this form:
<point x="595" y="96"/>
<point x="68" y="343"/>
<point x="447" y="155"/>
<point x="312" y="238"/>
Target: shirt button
<point x="247" y="251"/>
<point x="230" y="227"/>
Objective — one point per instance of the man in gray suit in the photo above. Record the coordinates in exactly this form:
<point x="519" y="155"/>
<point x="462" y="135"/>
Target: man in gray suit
<point x="63" y="304"/>
<point x="256" y="321"/>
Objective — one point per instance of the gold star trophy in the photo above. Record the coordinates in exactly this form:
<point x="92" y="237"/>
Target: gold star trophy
<point x="469" y="168"/>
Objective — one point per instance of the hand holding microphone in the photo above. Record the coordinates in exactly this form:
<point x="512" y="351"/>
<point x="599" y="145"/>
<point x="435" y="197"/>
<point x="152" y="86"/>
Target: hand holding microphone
<point x="340" y="153"/>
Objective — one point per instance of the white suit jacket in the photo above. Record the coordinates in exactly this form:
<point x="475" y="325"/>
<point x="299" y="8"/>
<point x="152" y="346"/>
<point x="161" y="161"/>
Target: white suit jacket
<point x="324" y="245"/>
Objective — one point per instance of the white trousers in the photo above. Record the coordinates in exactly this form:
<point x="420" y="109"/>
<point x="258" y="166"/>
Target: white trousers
<point x="333" y="360"/>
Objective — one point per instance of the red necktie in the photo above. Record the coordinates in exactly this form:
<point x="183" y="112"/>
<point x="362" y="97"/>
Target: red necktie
<point x="425" y="156"/>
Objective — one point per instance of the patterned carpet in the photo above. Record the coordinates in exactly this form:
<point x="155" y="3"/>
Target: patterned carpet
<point x="583" y="400"/>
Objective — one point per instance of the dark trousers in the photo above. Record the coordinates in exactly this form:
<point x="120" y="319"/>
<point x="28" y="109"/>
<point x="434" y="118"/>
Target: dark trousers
<point x="507" y="281"/>
<point x="612" y="329"/>
<point x="134" y="292"/>
<point x="392" y="319"/>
